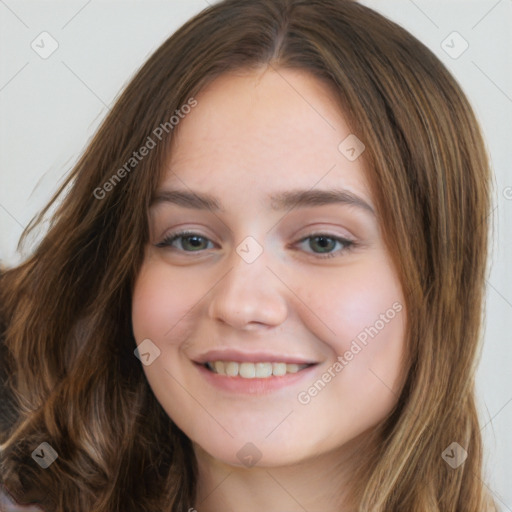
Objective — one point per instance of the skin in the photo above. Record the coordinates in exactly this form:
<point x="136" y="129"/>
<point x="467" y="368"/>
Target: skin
<point x="253" y="134"/>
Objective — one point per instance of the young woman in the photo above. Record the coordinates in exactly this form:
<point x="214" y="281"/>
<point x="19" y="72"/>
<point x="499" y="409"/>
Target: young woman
<point x="263" y="287"/>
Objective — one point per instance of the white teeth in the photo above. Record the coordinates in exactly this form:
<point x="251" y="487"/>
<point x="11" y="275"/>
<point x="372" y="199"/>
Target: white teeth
<point x="292" y="368"/>
<point x="253" y="370"/>
<point x="247" y="370"/>
<point x="278" y="369"/>
<point x="231" y="369"/>
<point x="263" y="370"/>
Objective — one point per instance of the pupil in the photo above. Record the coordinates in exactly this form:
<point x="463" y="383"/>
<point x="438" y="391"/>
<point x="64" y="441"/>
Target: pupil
<point x="323" y="241"/>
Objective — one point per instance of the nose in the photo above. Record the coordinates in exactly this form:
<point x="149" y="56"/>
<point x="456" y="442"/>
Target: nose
<point x="249" y="296"/>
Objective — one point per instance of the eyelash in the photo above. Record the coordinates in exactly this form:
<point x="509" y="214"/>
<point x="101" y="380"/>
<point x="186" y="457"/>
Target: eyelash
<point x="348" y="244"/>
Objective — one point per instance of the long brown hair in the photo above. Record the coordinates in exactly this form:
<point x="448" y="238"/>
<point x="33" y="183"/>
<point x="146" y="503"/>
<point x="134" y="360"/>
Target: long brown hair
<point x="69" y="372"/>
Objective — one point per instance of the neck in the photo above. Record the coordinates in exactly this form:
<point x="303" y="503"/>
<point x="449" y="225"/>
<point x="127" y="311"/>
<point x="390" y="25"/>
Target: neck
<point x="318" y="483"/>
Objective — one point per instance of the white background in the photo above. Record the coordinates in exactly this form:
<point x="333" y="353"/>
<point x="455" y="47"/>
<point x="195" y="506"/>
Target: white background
<point x="49" y="109"/>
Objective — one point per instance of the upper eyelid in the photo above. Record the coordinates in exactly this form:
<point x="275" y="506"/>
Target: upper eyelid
<point x="189" y="233"/>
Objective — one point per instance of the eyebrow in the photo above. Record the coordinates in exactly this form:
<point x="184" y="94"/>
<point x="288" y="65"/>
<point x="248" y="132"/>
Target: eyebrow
<point x="280" y="201"/>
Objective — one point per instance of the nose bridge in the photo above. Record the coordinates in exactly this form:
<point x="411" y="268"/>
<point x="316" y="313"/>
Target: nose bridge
<point x="248" y="265"/>
<point x="249" y="292"/>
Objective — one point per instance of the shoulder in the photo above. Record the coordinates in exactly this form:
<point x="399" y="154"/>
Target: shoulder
<point x="7" y="504"/>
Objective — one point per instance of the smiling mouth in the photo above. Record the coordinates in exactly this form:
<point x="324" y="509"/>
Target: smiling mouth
<point x="248" y="370"/>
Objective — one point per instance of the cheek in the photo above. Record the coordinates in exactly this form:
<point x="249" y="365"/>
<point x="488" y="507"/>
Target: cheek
<point x="361" y="296"/>
<point x="365" y="314"/>
<point x="159" y="301"/>
<point x="361" y="382"/>
<point x="162" y="310"/>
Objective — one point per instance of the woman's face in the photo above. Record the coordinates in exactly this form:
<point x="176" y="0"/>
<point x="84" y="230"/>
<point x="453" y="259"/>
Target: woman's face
<point x="255" y="291"/>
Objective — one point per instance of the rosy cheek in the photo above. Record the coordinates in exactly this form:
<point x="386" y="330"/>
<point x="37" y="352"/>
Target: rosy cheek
<point x="351" y="307"/>
<point x="155" y="304"/>
<point x="166" y="302"/>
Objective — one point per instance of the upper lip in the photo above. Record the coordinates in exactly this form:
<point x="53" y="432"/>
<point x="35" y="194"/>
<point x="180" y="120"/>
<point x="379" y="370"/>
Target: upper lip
<point x="250" y="357"/>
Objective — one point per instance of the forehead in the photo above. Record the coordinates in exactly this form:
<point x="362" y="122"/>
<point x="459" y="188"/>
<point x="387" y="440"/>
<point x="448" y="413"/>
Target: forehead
<point x="252" y="133"/>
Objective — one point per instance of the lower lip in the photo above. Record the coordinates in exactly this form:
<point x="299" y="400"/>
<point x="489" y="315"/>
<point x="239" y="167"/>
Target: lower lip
<point x="256" y="386"/>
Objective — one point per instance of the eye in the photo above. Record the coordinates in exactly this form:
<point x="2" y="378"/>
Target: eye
<point x="326" y="244"/>
<point x="193" y="240"/>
